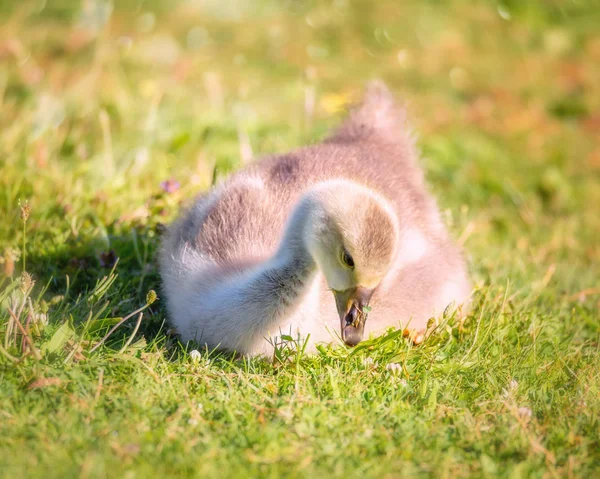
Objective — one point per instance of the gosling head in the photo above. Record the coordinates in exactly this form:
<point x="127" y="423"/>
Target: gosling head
<point x="351" y="233"/>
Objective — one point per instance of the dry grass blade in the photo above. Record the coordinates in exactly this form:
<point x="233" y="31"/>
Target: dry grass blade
<point x="135" y="330"/>
<point x="34" y="350"/>
<point x="41" y="383"/>
<point x="116" y="326"/>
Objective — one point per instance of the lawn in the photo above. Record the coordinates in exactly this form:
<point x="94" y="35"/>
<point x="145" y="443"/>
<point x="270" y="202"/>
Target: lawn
<point x="114" y="115"/>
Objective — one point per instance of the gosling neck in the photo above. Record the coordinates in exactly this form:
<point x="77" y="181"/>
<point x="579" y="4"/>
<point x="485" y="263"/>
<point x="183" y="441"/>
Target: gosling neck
<point x="280" y="285"/>
<point x="293" y="246"/>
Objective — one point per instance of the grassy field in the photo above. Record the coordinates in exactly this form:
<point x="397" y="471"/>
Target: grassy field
<point x="113" y="116"/>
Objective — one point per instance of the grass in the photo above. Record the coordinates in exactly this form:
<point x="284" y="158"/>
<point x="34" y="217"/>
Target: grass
<point x="113" y="116"/>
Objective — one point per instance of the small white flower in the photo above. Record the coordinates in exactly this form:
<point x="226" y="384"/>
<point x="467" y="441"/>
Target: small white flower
<point x="368" y="362"/>
<point x="525" y="413"/>
<point x="394" y="368"/>
<point x="40" y="318"/>
<point x="511" y="389"/>
<point x="195" y="355"/>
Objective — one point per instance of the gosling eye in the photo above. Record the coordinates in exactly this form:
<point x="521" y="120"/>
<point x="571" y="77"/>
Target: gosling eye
<point x="347" y="260"/>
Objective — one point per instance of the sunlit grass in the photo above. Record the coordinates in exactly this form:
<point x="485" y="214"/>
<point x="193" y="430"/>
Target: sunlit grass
<point x="112" y="117"/>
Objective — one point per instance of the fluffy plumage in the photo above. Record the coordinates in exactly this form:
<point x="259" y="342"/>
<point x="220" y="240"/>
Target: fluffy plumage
<point x="259" y="255"/>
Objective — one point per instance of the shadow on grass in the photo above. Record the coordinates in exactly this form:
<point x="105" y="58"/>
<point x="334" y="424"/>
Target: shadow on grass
<point x="76" y="268"/>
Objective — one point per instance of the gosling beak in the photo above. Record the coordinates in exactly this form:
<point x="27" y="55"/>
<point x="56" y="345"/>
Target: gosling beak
<point x="350" y="305"/>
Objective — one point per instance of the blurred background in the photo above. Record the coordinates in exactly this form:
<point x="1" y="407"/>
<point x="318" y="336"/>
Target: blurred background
<point x="113" y="114"/>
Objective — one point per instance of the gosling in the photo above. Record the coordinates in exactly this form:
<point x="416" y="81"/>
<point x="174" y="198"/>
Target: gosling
<point x="339" y="240"/>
